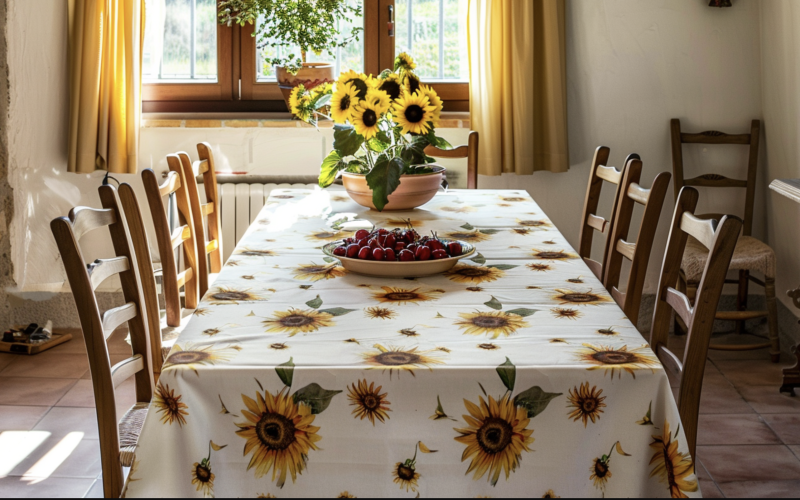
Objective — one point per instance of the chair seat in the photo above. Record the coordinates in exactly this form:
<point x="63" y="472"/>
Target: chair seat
<point x="130" y="426"/>
<point x="750" y="254"/>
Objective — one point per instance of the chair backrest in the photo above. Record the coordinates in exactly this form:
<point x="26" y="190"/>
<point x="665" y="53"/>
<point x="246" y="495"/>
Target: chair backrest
<point x="714" y="180"/>
<point x="468" y="151"/>
<point x="84" y="280"/>
<point x="141" y="249"/>
<point x="720" y="239"/>
<point x="591" y="221"/>
<point x="168" y="240"/>
<point x="211" y="243"/>
<point x="638" y="253"/>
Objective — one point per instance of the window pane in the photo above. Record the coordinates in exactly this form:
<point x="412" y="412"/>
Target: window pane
<point x="346" y="58"/>
<point x="180" y="41"/>
<point x="434" y="32"/>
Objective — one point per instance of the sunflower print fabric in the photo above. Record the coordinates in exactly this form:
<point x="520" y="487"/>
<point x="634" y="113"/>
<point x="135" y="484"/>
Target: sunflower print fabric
<point x="513" y="374"/>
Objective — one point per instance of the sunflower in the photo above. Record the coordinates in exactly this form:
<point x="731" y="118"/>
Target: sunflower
<point x="368" y="401"/>
<point x="366" y="118"/>
<point x="266" y="495"/>
<point x="550" y="494"/>
<point x="488" y="347"/>
<point x="404" y="62"/>
<point x="582" y="298"/>
<point x="314" y="272"/>
<point x="539" y="267"/>
<point x="403" y="296"/>
<point x="380" y="99"/>
<point x="379" y="313"/>
<point x="278" y="346"/>
<point x="608" y="331"/>
<point x="278" y="433"/>
<point x="391" y="85"/>
<point x="343" y="101"/>
<point x="398" y="358"/>
<point x="496" y="436"/>
<point x="521" y="230"/>
<point x="326" y="235"/>
<point x="408" y="332"/>
<point x="414" y="113"/>
<point x="474" y="289"/>
<point x="411" y="83"/>
<point x="192" y="356"/>
<point x="587" y="403"/>
<point x="346" y="494"/>
<point x="533" y="223"/>
<point x="468" y="236"/>
<point x="170" y="405"/>
<point x="513" y="198"/>
<point x="577" y="280"/>
<point x="566" y="312"/>
<point x="549" y="242"/>
<point x="229" y="295"/>
<point x="434" y="99"/>
<point x="600" y="472"/>
<point x="294" y="97"/>
<point x="552" y="254"/>
<point x="459" y="210"/>
<point x="672" y="466"/>
<point x="493" y="323"/>
<point x="251" y="252"/>
<point x="406" y="476"/>
<point x="359" y="81"/>
<point x="464" y="273"/>
<point x="296" y="321"/>
<point x="616" y="360"/>
<point x="203" y="478"/>
<point x="211" y="331"/>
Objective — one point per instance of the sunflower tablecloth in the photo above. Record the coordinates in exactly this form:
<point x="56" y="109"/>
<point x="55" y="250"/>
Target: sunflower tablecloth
<point x="515" y="374"/>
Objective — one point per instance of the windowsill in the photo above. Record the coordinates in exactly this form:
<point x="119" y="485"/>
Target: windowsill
<point x="261" y="120"/>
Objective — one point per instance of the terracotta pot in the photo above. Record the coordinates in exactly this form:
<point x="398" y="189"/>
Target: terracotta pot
<point x="310" y="75"/>
<point x="413" y="191"/>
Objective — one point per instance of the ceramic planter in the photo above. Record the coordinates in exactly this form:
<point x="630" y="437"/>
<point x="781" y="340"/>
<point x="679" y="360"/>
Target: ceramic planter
<point x="310" y="75"/>
<point x="413" y="191"/>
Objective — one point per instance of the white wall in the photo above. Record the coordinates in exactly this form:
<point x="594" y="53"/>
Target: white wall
<point x="632" y="65"/>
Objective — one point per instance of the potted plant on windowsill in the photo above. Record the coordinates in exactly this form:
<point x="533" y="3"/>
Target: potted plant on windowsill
<point x="381" y="129"/>
<point x="310" y="25"/>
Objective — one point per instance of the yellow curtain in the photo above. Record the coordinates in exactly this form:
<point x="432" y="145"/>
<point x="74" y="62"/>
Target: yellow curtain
<point x="518" y="99"/>
<point x="105" y="61"/>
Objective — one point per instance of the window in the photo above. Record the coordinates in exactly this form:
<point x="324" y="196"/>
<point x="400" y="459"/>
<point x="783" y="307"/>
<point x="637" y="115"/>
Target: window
<point x="191" y="63"/>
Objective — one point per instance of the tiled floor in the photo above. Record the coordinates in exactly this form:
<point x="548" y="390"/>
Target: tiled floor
<point x="748" y="443"/>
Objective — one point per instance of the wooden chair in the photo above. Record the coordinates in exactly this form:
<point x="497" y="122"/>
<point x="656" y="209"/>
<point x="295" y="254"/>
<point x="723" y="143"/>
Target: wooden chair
<point x="468" y="151"/>
<point x="590" y="223"/>
<point x="720" y="239"/>
<point x="638" y="253"/>
<point x="751" y="255"/>
<point x="209" y="243"/>
<point x="118" y="440"/>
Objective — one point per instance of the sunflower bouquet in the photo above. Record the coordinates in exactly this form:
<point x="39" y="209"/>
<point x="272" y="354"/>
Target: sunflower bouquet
<point x="381" y="125"/>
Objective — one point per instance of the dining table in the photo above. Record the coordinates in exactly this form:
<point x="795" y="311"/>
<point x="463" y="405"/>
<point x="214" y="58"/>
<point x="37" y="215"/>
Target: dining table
<point x="512" y="374"/>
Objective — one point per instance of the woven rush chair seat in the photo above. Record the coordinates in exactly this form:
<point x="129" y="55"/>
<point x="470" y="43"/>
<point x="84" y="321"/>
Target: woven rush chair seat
<point x="750" y="254"/>
<point x="130" y="426"/>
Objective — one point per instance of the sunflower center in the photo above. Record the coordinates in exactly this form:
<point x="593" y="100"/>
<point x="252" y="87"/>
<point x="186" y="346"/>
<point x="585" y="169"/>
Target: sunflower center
<point x="275" y="431"/>
<point x="487" y="346"/>
<point x="296" y="320"/>
<point x="257" y="252"/>
<point x="494" y="435"/>
<point x="489" y="321"/>
<point x="312" y="269"/>
<point x="230" y="296"/>
<point x="579" y="297"/>
<point x="202" y="473"/>
<point x="370" y="402"/>
<point x="669" y="466"/>
<point x="401" y="296"/>
<point x="414" y="113"/>
<point x="344" y="104"/>
<point x="325" y="235"/>
<point x="394" y="358"/>
<point x="370" y="118"/>
<point x="413" y="84"/>
<point x="550" y="255"/>
<point x="614" y="357"/>
<point x="473" y="271"/>
<point x="172" y="404"/>
<point x="188" y="357"/>
<point x="405" y="472"/>
<point x="588" y="405"/>
<point x="533" y="223"/>
<point x="600" y="468"/>
<point x="392" y="88"/>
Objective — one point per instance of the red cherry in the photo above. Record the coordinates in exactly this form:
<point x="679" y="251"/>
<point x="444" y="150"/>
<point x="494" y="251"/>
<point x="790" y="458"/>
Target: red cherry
<point x="364" y="253"/>
<point x="439" y="254"/>
<point x="373" y="243"/>
<point x="390" y="241"/>
<point x="378" y="253"/>
<point x="399" y="245"/>
<point x="436" y="245"/>
<point x="424" y="253"/>
<point x="413" y="247"/>
<point x="363" y="242"/>
<point x="390" y="255"/>
<point x="352" y="250"/>
<point x="406" y="255"/>
<point x="454" y="248"/>
<point x="340" y="251"/>
<point x="361" y="234"/>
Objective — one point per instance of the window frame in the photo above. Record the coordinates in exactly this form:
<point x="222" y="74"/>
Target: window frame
<point x="238" y="90"/>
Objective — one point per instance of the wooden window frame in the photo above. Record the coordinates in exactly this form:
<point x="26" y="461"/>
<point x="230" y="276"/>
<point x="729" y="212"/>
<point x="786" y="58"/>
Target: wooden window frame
<point x="237" y="88"/>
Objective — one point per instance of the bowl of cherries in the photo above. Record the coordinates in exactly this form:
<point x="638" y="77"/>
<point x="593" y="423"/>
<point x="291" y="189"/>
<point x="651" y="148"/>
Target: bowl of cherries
<point x="398" y="253"/>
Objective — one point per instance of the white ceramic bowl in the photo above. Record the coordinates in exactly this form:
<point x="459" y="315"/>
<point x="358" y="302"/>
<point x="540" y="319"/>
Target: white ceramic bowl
<point x="396" y="269"/>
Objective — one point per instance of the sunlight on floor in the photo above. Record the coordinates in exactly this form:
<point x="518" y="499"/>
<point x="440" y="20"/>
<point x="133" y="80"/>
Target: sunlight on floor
<point x="16" y="446"/>
<point x="48" y="464"/>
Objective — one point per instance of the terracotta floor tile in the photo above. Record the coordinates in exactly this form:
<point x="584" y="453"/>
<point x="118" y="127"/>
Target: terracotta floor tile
<point x="27" y="391"/>
<point x="61" y="421"/>
<point x="749" y="463"/>
<point x="707" y="485"/>
<point x="48" y="364"/>
<point x="96" y="491"/>
<point x="796" y="450"/>
<point x="81" y="395"/>
<point x="20" y="418"/>
<point x="734" y="430"/>
<point x="53" y="487"/>
<point x="6" y="359"/>
<point x="744" y="373"/>
<point x="761" y="489"/>
<point x="116" y="343"/>
<point x="82" y="462"/>
<point x="720" y="397"/>
<point x="765" y="399"/>
<point x="786" y="426"/>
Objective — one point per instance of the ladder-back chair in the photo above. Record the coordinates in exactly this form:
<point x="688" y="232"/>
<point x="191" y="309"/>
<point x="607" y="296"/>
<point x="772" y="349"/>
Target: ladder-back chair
<point x="118" y="440"/>
<point x="468" y="151"/>
<point x="720" y="240"/>
<point x="751" y="255"/>
<point x="637" y="253"/>
<point x="591" y="222"/>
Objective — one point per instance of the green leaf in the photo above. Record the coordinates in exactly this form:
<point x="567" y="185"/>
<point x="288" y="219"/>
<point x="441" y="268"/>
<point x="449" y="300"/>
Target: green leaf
<point x="535" y="400"/>
<point x="345" y="139"/>
<point x="494" y="304"/>
<point x="378" y="145"/>
<point x="315" y="397"/>
<point x="323" y="101"/>
<point x="306" y="287"/>
<point x="522" y="311"/>
<point x="438" y="141"/>
<point x="330" y="260"/>
<point x="315" y="303"/>
<point x="503" y="267"/>
<point x="329" y="168"/>
<point x="414" y="153"/>
<point x="467" y="226"/>
<point x="286" y="372"/>
<point x="384" y="179"/>
<point x="508" y="374"/>
<point x="337" y="311"/>
<point x="490" y="231"/>
<point x="479" y="259"/>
